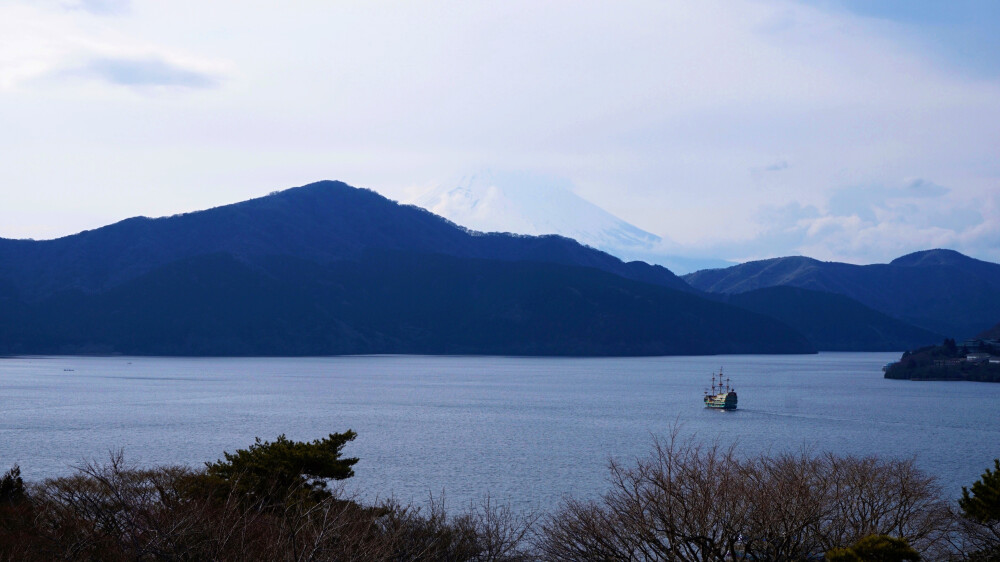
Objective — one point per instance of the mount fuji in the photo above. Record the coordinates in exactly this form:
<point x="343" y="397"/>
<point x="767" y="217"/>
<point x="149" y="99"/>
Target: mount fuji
<point x="525" y="204"/>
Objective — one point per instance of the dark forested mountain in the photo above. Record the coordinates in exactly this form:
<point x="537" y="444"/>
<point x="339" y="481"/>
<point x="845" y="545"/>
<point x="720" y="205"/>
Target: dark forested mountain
<point x="834" y="322"/>
<point x="390" y="302"/>
<point x="941" y="291"/>
<point x="330" y="269"/>
<point x="322" y="222"/>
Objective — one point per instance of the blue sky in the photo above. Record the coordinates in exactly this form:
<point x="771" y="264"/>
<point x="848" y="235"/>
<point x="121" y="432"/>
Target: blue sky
<point x="964" y="34"/>
<point x="741" y="129"/>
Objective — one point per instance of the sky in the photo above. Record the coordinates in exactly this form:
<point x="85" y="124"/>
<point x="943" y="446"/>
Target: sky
<point x="846" y="130"/>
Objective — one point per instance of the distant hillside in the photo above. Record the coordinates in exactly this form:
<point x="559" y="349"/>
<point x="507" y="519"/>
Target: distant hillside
<point x="834" y="322"/>
<point x="330" y="269"/>
<point x="991" y="334"/>
<point x="941" y="291"/>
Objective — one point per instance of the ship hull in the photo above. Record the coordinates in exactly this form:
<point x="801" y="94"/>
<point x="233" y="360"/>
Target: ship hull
<point x="726" y="401"/>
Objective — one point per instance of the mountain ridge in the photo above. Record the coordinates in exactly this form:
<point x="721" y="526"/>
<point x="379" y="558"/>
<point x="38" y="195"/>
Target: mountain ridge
<point x="942" y="291"/>
<point x="323" y="221"/>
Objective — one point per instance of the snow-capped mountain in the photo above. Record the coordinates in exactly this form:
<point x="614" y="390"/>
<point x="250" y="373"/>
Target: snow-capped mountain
<point x="525" y="204"/>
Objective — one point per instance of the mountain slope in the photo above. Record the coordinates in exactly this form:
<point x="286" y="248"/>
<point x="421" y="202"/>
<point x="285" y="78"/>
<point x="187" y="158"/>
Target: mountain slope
<point x="388" y="302"/>
<point x="941" y="291"/>
<point x="493" y="205"/>
<point x="834" y="322"/>
<point x="324" y="222"/>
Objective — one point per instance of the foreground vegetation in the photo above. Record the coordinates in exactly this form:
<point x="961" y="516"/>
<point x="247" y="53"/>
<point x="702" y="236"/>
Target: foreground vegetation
<point x="684" y="502"/>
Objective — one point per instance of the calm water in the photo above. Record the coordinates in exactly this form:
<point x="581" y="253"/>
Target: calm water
<point x="526" y="430"/>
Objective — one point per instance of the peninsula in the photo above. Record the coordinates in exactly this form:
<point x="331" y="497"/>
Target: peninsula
<point x="972" y="360"/>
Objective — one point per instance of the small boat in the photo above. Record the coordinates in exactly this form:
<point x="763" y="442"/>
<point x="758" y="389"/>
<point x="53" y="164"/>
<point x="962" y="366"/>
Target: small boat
<point x="719" y="396"/>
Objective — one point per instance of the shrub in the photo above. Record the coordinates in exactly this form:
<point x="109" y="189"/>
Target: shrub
<point x="230" y="510"/>
<point x="875" y="548"/>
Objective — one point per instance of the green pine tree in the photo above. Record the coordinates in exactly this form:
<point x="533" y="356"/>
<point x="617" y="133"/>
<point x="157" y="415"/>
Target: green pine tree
<point x="875" y="548"/>
<point x="982" y="503"/>
<point x="981" y="506"/>
<point x="12" y="487"/>
<point x="269" y="473"/>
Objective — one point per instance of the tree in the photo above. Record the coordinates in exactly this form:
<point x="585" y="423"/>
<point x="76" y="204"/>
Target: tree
<point x="690" y="502"/>
<point x="267" y="473"/>
<point x="117" y="511"/>
<point x="875" y="548"/>
<point x="950" y="347"/>
<point x="12" y="487"/>
<point x="982" y="502"/>
<point x="16" y="517"/>
<point x="980" y="507"/>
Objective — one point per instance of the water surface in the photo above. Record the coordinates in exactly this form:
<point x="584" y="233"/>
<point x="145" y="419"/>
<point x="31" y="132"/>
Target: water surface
<point x="526" y="430"/>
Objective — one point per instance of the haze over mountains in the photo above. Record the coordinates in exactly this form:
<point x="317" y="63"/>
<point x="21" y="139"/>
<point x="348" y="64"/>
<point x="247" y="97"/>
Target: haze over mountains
<point x="524" y="204"/>
<point x="841" y="316"/>
<point x="331" y="269"/>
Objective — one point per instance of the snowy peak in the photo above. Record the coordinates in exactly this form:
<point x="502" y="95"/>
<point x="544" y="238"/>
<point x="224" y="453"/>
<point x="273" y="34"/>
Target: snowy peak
<point x="524" y="204"/>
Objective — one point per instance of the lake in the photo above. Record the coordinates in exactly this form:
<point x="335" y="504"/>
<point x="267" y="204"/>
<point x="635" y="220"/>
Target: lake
<point x="528" y="431"/>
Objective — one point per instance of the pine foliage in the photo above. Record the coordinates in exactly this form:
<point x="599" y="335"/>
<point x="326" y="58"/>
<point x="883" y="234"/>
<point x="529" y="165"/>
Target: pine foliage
<point x="267" y="471"/>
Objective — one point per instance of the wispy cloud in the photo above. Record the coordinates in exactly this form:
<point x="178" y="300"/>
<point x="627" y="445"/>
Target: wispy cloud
<point x="100" y="7"/>
<point x="51" y="41"/>
<point x="145" y="72"/>
<point x="871" y="201"/>
<point x="922" y="188"/>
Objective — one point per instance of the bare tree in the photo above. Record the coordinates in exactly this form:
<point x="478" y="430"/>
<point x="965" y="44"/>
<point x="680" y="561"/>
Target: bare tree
<point x="485" y="532"/>
<point x="683" y="503"/>
<point x="874" y="496"/>
<point x="689" y="502"/>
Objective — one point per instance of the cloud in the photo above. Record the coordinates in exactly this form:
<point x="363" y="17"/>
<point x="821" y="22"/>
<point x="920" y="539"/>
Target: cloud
<point x="46" y="43"/>
<point x="873" y="224"/>
<point x="922" y="188"/>
<point x="696" y="121"/>
<point x="871" y="201"/>
<point x="786" y="217"/>
<point x="146" y="72"/>
<point x="763" y="174"/>
<point x="100" y="7"/>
